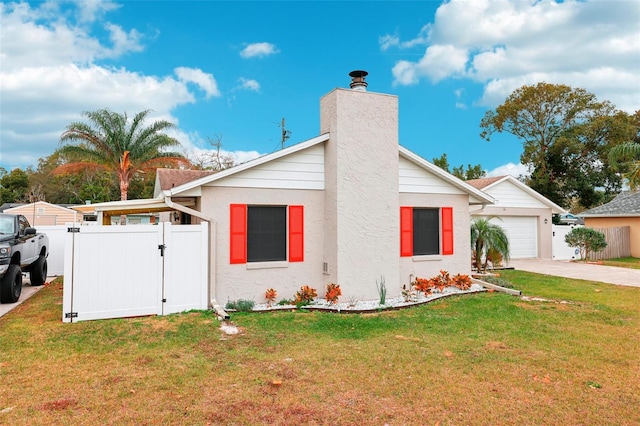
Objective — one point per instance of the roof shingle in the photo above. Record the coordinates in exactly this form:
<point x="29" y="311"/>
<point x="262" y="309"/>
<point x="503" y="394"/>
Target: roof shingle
<point x="625" y="204"/>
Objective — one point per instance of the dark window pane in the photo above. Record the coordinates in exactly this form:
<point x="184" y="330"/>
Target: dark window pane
<point x="266" y="233"/>
<point x="426" y="231"/>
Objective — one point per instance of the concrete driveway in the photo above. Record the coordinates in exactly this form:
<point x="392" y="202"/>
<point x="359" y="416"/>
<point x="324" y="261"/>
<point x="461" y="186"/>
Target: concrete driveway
<point x="578" y="270"/>
<point x="27" y="292"/>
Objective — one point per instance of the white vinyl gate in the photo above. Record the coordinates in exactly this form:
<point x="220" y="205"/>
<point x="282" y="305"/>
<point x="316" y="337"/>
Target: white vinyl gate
<point x="126" y="271"/>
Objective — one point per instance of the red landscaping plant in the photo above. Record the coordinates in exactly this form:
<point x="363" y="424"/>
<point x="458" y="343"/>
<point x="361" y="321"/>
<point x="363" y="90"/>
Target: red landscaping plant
<point x="441" y="281"/>
<point x="332" y="294"/>
<point x="270" y="295"/>
<point x="305" y="295"/>
<point x="424" y="285"/>
<point x="463" y="282"/>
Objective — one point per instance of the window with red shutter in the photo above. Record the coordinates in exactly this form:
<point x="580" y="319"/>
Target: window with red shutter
<point x="260" y="233"/>
<point x="447" y="230"/>
<point x="238" y="231"/>
<point x="296" y="233"/>
<point x="426" y="231"/>
<point x="406" y="231"/>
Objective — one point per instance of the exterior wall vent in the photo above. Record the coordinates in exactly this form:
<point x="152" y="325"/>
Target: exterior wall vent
<point x="358" y="80"/>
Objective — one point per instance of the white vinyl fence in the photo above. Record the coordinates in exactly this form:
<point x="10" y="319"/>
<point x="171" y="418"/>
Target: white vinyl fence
<point x="560" y="249"/>
<point x="125" y="271"/>
<point x="57" y="235"/>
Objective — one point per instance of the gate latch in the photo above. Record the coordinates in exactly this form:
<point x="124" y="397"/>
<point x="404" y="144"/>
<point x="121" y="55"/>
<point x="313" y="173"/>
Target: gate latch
<point x="161" y="247"/>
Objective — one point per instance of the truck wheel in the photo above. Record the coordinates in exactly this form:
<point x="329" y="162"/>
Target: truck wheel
<point x="11" y="285"/>
<point x="38" y="272"/>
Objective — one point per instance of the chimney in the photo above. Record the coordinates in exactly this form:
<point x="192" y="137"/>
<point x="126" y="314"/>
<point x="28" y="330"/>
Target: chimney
<point x="358" y="80"/>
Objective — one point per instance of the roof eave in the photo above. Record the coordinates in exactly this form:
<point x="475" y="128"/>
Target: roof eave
<point x="554" y="207"/>
<point x="248" y="165"/>
<point x="481" y="197"/>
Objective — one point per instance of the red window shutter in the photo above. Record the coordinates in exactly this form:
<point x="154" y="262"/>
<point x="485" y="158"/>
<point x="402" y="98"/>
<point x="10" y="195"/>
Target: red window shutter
<point x="406" y="231"/>
<point x="238" y="229"/>
<point x="447" y="230"/>
<point x="296" y="233"/>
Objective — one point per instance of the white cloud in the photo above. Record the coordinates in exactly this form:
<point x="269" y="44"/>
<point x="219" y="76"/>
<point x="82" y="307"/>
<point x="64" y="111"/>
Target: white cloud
<point x="249" y="84"/>
<point x="203" y="80"/>
<point x="439" y="62"/>
<point x="48" y="77"/>
<point x="515" y="170"/>
<point x="506" y="43"/>
<point x="258" y="50"/>
<point x="386" y="41"/>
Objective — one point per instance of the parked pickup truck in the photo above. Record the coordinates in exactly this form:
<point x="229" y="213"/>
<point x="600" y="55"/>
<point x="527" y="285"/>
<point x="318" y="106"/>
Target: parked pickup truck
<point x="21" y="249"/>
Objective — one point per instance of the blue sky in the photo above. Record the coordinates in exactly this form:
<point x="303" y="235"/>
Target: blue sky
<point x="235" y="69"/>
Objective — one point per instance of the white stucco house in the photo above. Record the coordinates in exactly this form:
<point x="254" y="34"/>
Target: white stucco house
<point x="523" y="213"/>
<point x="349" y="206"/>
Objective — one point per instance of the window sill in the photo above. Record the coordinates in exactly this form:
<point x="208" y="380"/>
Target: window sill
<point x="427" y="258"/>
<point x="268" y="265"/>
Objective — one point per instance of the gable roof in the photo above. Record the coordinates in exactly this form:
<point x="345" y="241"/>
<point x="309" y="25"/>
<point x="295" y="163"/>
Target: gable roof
<point x="248" y="165"/>
<point x="626" y="204"/>
<point x="475" y="195"/>
<point x="19" y="207"/>
<point x="485" y="184"/>
<point x="170" y="178"/>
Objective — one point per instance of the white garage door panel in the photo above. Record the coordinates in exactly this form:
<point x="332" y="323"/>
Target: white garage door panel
<point x="522" y="232"/>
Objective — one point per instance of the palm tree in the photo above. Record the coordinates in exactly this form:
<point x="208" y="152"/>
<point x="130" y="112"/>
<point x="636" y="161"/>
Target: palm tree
<point x="113" y="143"/>
<point x="629" y="153"/>
<point x="487" y="236"/>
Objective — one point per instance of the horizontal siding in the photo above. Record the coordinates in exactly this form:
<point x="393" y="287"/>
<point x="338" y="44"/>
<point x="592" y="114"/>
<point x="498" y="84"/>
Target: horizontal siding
<point x="302" y="170"/>
<point x="508" y="195"/>
<point x="415" y="179"/>
<point x="45" y="215"/>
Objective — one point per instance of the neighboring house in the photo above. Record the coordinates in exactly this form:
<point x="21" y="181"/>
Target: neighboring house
<point x="167" y="179"/>
<point x="524" y="214"/>
<point x="624" y="210"/>
<point x="42" y="213"/>
<point x="350" y="207"/>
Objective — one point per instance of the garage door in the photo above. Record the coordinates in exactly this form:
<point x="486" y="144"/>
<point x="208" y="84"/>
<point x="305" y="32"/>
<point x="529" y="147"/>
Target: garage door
<point x="523" y="235"/>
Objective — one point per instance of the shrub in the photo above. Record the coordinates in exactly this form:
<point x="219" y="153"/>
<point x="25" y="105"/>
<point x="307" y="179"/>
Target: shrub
<point x="441" y="281"/>
<point x="587" y="240"/>
<point x="408" y="294"/>
<point x="305" y="295"/>
<point x="240" y="305"/>
<point x="424" y="285"/>
<point x="332" y="294"/>
<point x="382" y="290"/>
<point x="284" y="302"/>
<point x="270" y="295"/>
<point x="463" y="282"/>
<point x="491" y="279"/>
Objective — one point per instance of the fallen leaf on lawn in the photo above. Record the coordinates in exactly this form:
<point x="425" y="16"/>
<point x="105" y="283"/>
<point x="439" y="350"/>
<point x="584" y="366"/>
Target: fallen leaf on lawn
<point x="597" y="290"/>
<point x="6" y="410"/>
<point x="546" y="379"/>
<point x="448" y="354"/>
<point x="276" y="383"/>
<point x="534" y="377"/>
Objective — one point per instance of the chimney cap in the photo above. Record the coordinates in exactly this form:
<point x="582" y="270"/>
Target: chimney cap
<point x="358" y="73"/>
<point x="358" y="80"/>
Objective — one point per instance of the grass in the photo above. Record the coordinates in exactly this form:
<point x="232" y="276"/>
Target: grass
<point x="478" y="359"/>
<point x="623" y="262"/>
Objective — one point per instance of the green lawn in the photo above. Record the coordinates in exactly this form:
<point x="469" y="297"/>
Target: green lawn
<point x="623" y="262"/>
<point x="486" y="358"/>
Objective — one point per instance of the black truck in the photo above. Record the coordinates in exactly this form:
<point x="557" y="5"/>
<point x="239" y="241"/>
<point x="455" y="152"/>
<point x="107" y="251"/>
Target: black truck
<point x="21" y="249"/>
